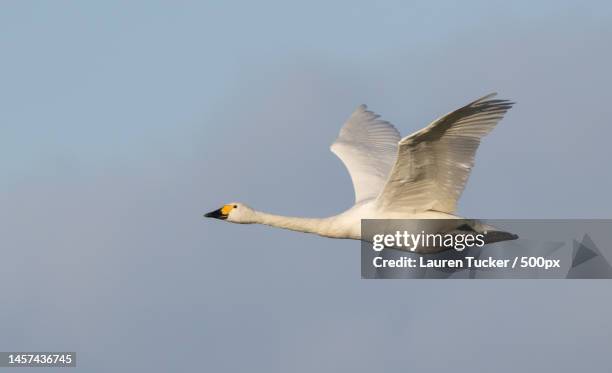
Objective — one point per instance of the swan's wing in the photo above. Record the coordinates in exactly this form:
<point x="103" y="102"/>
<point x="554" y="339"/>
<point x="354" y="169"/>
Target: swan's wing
<point x="367" y="146"/>
<point x="434" y="164"/>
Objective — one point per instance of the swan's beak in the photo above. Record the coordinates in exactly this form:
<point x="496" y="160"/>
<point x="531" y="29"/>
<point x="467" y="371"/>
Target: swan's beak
<point x="217" y="214"/>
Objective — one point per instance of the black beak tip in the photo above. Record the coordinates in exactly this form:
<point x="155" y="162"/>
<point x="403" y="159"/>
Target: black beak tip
<point x="217" y="214"/>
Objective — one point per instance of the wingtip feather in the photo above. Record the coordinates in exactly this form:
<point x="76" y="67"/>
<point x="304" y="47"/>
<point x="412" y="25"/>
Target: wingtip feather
<point x="485" y="97"/>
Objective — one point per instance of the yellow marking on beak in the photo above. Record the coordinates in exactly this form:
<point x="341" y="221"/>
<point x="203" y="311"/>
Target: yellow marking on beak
<point x="225" y="210"/>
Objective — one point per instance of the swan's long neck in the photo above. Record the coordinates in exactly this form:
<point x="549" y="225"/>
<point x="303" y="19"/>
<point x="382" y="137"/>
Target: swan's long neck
<point x="307" y="225"/>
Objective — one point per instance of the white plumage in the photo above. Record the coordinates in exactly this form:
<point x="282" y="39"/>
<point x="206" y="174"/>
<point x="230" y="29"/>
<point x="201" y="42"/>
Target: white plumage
<point x="368" y="148"/>
<point x="420" y="176"/>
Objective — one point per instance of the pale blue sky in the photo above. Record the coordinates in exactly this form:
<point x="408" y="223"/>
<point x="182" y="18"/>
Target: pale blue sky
<point x="123" y="122"/>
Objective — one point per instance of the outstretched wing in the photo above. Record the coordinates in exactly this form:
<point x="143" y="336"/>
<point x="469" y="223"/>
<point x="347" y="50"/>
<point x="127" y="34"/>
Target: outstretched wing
<point x="367" y="146"/>
<point x="433" y="164"/>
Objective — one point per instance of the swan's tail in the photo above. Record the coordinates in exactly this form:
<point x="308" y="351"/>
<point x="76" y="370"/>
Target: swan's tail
<point x="497" y="236"/>
<point x="491" y="233"/>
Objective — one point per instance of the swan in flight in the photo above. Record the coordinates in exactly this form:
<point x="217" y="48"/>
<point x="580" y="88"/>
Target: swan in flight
<point x="420" y="176"/>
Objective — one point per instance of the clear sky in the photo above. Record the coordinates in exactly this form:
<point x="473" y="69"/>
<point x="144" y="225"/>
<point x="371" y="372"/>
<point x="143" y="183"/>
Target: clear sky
<point x="123" y="122"/>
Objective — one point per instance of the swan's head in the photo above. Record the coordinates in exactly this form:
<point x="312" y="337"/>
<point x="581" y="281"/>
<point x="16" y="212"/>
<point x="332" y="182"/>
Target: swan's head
<point x="234" y="212"/>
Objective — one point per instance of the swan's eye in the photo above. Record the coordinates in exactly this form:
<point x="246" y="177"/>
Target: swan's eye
<point x="235" y="206"/>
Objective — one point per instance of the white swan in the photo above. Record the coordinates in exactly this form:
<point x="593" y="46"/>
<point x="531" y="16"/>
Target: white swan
<point x="418" y="177"/>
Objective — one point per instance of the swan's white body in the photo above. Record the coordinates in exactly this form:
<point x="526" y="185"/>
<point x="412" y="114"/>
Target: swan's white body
<point x="418" y="177"/>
